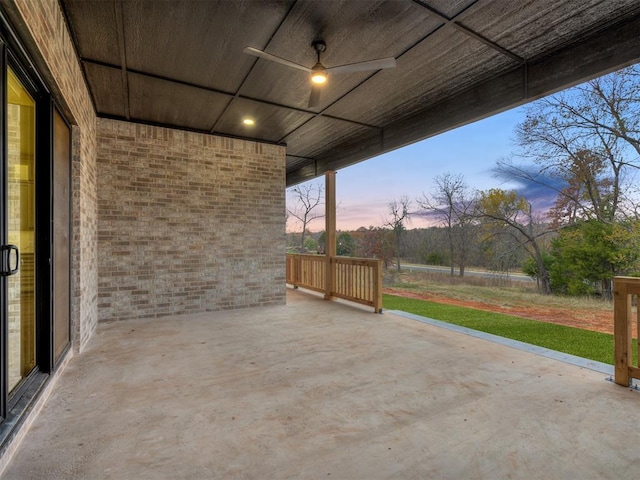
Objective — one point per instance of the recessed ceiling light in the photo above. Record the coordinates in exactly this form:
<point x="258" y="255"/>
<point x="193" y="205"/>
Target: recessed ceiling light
<point x="248" y="121"/>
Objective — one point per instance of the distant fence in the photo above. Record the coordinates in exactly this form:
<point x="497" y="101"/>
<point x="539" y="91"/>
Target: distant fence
<point x="626" y="291"/>
<point x="354" y="279"/>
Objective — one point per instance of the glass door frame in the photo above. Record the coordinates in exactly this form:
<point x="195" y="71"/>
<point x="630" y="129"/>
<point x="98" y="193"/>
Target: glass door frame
<point x="4" y="297"/>
<point x="13" y="404"/>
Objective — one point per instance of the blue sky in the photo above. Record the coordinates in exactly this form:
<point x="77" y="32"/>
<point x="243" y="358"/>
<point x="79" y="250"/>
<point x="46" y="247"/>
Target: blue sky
<point x="365" y="189"/>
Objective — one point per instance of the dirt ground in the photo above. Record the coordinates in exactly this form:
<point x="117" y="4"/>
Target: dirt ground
<point x="598" y="321"/>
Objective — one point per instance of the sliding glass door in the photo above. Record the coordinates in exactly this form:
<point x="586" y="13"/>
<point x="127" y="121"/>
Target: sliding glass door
<point x="20" y="220"/>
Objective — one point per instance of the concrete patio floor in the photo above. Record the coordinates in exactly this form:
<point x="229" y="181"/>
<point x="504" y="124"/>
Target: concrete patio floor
<point x="318" y="389"/>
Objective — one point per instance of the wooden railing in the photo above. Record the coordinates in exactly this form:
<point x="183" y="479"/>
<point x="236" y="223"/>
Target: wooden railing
<point x="358" y="280"/>
<point x="355" y="279"/>
<point x="307" y="271"/>
<point x="624" y="311"/>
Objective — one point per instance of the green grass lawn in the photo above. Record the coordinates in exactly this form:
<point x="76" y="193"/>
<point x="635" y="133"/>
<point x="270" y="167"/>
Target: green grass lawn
<point x="575" y="341"/>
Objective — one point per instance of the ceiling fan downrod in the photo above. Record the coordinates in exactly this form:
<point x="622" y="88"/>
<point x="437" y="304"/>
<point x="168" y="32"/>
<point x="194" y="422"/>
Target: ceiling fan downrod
<point x="318" y="71"/>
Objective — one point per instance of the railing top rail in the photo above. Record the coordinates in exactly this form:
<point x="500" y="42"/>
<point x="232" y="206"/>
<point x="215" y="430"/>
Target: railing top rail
<point x="357" y="260"/>
<point x="622" y="279"/>
<point x="336" y="258"/>
<point x="628" y="285"/>
<point x="306" y="255"/>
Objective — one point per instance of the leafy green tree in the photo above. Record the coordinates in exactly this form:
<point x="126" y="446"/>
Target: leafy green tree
<point x="321" y="242"/>
<point x="436" y="258"/>
<point x="588" y="254"/>
<point x="530" y="267"/>
<point x="346" y="245"/>
<point x="311" y="244"/>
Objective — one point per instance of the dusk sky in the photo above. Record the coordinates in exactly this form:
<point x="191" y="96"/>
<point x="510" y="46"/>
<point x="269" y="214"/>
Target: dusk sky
<point x="365" y="189"/>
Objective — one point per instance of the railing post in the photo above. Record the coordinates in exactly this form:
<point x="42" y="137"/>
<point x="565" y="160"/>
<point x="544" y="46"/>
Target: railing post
<point x="296" y="274"/>
<point x="622" y="331"/>
<point x="330" y="231"/>
<point x="378" y="288"/>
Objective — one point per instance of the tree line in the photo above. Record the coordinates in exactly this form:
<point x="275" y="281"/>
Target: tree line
<point x="572" y="222"/>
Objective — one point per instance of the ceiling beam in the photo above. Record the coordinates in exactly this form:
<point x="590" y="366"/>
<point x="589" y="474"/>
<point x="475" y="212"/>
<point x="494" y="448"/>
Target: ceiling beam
<point x="244" y="80"/>
<point x="229" y="94"/>
<point x="117" y="7"/>
<point x="597" y="54"/>
<point x="467" y="31"/>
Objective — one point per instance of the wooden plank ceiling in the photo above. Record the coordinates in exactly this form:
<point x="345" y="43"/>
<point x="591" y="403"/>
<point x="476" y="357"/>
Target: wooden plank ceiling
<point x="180" y="64"/>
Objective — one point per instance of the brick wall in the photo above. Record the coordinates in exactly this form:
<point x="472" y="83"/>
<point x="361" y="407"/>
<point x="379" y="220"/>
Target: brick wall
<point x="43" y="30"/>
<point x="187" y="222"/>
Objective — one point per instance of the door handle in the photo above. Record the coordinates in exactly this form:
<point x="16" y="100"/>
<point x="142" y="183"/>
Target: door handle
<point x="7" y="251"/>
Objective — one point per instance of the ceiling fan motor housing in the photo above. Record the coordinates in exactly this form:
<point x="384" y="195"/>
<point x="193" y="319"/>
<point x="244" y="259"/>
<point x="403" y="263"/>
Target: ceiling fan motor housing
<point x="319" y="46"/>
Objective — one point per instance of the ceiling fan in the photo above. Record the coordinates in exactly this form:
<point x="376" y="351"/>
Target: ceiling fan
<point x="319" y="73"/>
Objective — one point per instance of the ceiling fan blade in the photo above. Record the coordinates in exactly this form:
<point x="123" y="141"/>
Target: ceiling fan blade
<point x="363" y="66"/>
<point x="272" y="58"/>
<point x="314" y="98"/>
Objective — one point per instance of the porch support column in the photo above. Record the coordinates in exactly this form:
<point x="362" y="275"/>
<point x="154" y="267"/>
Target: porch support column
<point x="622" y="329"/>
<point x="330" y="230"/>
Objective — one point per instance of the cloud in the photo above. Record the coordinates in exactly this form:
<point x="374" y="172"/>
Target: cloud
<point x="351" y="215"/>
<point x="539" y="188"/>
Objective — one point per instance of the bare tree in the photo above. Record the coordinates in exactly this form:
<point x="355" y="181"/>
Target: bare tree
<point x="452" y="204"/>
<point x="398" y="215"/>
<point x="589" y="137"/>
<point x="307" y="197"/>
